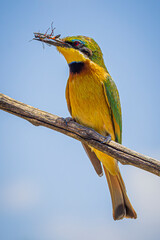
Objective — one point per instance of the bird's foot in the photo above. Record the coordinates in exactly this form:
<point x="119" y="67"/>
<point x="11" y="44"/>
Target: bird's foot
<point x="107" y="139"/>
<point x="61" y="120"/>
<point x="67" y="120"/>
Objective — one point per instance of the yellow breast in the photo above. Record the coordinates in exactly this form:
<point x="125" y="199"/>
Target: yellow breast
<point x="88" y="104"/>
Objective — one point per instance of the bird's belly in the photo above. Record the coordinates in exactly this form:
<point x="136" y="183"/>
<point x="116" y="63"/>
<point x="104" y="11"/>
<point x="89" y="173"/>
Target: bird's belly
<point x="88" y="104"/>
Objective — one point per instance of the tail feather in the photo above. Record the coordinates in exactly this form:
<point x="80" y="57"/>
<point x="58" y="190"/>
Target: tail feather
<point x="120" y="201"/>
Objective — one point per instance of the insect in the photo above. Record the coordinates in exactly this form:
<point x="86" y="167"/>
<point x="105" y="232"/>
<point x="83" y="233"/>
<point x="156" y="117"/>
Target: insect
<point x="50" y="39"/>
<point x="45" y="36"/>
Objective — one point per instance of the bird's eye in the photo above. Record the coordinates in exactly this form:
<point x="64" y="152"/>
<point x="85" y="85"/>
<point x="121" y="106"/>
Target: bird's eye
<point x="76" y="43"/>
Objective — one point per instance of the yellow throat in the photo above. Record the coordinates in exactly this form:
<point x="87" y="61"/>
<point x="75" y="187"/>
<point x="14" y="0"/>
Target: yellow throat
<point x="72" y="55"/>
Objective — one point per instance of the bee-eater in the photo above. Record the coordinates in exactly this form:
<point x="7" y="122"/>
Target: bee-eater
<point x="93" y="101"/>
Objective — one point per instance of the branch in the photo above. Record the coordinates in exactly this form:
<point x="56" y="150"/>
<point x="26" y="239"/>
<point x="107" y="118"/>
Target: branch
<point x="79" y="132"/>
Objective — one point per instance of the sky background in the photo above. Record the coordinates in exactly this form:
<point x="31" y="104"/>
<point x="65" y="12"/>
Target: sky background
<point x="48" y="188"/>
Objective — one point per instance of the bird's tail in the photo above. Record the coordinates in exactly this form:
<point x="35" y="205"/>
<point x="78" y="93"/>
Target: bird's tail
<point x="120" y="201"/>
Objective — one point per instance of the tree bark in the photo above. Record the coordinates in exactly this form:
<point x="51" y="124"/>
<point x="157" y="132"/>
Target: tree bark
<point x="79" y="132"/>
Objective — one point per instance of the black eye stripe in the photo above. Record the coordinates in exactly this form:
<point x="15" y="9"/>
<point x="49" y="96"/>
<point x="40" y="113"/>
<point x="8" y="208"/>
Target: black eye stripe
<point x="79" y="45"/>
<point x="86" y="51"/>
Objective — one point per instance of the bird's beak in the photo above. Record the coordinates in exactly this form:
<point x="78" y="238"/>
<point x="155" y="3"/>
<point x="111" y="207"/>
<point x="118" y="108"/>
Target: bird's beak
<point x="70" y="54"/>
<point x="51" y="40"/>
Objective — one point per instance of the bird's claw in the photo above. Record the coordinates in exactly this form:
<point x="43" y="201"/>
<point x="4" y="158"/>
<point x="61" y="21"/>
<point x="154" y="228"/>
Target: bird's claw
<point x="61" y="120"/>
<point x="107" y="139"/>
<point x="67" y="120"/>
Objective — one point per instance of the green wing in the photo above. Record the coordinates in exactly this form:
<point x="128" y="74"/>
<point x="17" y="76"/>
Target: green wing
<point x="112" y="97"/>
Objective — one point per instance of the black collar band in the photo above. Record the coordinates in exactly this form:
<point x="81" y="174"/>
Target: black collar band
<point x="76" y="67"/>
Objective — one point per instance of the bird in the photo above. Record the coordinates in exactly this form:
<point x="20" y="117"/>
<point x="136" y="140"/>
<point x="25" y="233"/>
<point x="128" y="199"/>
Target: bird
<point x="93" y="101"/>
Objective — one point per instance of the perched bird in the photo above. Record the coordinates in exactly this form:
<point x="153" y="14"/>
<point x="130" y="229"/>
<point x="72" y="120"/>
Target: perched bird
<point x="93" y="101"/>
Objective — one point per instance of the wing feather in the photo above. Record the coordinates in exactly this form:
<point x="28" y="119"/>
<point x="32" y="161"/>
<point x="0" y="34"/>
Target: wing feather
<point x="113" y="100"/>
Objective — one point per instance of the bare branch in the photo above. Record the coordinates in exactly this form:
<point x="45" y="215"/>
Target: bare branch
<point x="79" y="132"/>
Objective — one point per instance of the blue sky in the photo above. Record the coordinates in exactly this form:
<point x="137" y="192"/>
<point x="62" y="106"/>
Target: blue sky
<point x="48" y="187"/>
